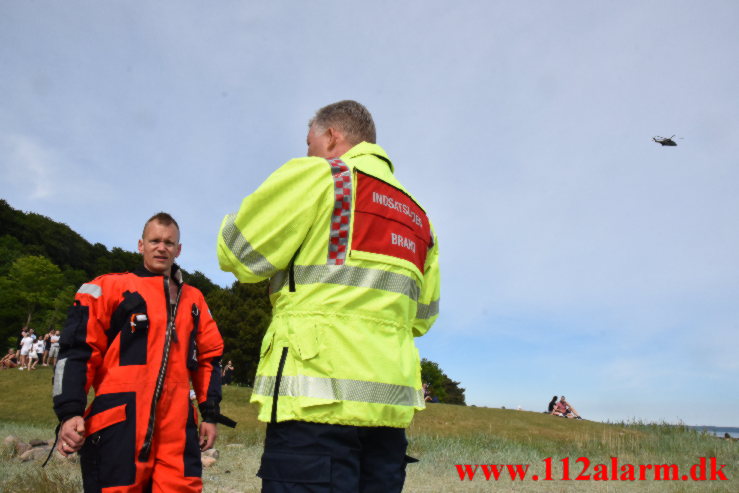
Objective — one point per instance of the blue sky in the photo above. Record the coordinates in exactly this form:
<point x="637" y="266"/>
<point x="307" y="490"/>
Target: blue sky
<point x="578" y="256"/>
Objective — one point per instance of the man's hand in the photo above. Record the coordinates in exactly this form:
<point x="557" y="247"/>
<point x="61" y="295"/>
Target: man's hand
<point x="208" y="434"/>
<point x="71" y="436"/>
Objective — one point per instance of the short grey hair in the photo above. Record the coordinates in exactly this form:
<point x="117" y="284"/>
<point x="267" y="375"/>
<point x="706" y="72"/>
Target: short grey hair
<point x="348" y="116"/>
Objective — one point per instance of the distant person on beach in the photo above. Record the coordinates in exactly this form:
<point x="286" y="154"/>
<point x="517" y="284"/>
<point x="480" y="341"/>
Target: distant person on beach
<point x="35" y="355"/>
<point x="24" y="333"/>
<point x="10" y="360"/>
<point x="565" y="410"/>
<point x="54" y="347"/>
<point x="560" y="409"/>
<point x="426" y="392"/>
<point x="228" y="371"/>
<point x="47" y="347"/>
<point x="26" y="347"/>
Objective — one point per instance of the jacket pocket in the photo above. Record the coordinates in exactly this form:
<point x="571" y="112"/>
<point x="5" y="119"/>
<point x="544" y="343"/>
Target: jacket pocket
<point x="266" y="343"/>
<point x="310" y="365"/>
<point x="104" y="419"/>
<point x="291" y="471"/>
<point x="131" y="321"/>
<point x="108" y="455"/>
<point x="304" y="339"/>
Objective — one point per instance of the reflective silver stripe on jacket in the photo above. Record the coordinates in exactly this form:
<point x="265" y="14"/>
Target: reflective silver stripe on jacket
<point x="92" y="289"/>
<point x="58" y="377"/>
<point x="349" y="275"/>
<point x="340" y="390"/>
<point x="244" y="252"/>
<point x="427" y="311"/>
<point x="338" y="241"/>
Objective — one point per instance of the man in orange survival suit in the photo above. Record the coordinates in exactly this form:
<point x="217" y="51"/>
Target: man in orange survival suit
<point x="139" y="339"/>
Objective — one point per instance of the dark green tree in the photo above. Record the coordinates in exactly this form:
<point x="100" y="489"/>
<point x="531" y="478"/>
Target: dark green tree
<point x="37" y="281"/>
<point x="10" y="250"/>
<point x="200" y="281"/>
<point x="11" y="314"/>
<point x="243" y="313"/>
<point x="42" y="236"/>
<point x="454" y="393"/>
<point x="123" y="261"/>
<point x="440" y="385"/>
<point x="57" y="314"/>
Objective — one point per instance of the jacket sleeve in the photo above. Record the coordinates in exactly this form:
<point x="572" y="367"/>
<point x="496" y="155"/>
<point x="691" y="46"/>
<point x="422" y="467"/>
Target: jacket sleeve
<point x="82" y="347"/>
<point x="428" y="300"/>
<point x="206" y="376"/>
<point x="262" y="237"/>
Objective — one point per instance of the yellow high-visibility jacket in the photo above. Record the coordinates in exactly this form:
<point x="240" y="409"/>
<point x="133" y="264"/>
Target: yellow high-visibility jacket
<point x="354" y="277"/>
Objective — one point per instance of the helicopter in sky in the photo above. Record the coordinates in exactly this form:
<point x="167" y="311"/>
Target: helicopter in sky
<point x="665" y="141"/>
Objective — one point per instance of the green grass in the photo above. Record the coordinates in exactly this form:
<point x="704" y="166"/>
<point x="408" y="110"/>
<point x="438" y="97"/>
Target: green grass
<point x="441" y="437"/>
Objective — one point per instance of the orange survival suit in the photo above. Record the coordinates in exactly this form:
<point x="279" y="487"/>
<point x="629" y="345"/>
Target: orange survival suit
<point x="139" y="351"/>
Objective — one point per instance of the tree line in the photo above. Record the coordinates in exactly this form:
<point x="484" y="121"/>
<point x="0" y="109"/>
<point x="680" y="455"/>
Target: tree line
<point x="43" y="263"/>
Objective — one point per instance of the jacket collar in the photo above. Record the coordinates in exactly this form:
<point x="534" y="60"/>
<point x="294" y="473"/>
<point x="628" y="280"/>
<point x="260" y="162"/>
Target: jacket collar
<point x="141" y="271"/>
<point x="365" y="148"/>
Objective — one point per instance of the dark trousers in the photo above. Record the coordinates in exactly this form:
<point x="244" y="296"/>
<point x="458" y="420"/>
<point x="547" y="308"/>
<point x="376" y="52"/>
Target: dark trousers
<point x="316" y="458"/>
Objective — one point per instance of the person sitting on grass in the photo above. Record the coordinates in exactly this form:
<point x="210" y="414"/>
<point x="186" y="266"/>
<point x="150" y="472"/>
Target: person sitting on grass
<point x="551" y="405"/>
<point x="565" y="410"/>
<point x="426" y="392"/>
<point x="10" y="360"/>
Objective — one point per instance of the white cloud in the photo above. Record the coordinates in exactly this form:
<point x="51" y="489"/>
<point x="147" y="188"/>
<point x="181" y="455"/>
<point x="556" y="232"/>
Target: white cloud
<point x="32" y="170"/>
<point x="27" y="166"/>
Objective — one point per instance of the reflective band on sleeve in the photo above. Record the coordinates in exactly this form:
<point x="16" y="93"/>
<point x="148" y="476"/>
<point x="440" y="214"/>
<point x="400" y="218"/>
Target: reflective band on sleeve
<point x="92" y="289"/>
<point x="427" y="311"/>
<point x="349" y="275"/>
<point x="243" y="251"/>
<point x="342" y="213"/>
<point x="340" y="390"/>
<point x="277" y="281"/>
<point x="58" y="377"/>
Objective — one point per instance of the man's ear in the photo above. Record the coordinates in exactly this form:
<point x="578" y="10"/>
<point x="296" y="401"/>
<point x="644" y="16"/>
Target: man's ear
<point x="333" y="139"/>
<point x="337" y="141"/>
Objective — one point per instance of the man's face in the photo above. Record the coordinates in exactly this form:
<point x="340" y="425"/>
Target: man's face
<point x="318" y="141"/>
<point x="160" y="246"/>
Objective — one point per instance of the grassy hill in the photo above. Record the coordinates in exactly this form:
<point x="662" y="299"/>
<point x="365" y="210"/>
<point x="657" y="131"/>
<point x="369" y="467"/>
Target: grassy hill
<point x="442" y="437"/>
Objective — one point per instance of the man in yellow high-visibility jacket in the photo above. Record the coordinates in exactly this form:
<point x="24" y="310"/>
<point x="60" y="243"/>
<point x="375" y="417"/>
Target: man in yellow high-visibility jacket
<point x="354" y="276"/>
